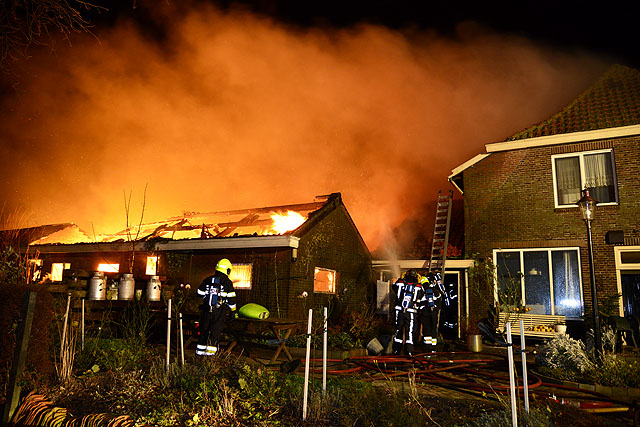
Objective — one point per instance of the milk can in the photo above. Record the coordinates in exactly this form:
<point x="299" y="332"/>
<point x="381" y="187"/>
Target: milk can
<point x="153" y="289"/>
<point x="97" y="289"/>
<point x="126" y="287"/>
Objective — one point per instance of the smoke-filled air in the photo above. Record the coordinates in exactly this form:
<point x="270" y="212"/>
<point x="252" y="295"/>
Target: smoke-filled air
<point x="232" y="111"/>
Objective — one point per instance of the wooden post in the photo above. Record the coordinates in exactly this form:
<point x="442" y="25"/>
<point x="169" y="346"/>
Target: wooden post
<point x="23" y="333"/>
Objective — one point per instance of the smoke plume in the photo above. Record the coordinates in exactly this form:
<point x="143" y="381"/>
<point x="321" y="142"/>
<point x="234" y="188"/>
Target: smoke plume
<point x="232" y="110"/>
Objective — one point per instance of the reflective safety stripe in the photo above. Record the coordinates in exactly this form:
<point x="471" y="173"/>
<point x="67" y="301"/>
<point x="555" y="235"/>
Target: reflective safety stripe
<point x="231" y="294"/>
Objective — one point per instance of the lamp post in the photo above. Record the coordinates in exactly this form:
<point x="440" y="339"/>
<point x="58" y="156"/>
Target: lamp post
<point x="588" y="208"/>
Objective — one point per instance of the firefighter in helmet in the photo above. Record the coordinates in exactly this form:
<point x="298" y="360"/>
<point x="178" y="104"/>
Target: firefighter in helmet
<point x="429" y="316"/>
<point x="409" y="297"/>
<point x="218" y="298"/>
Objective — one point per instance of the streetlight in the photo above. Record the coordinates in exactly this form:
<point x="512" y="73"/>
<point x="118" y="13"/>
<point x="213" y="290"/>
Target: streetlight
<point x="588" y="208"/>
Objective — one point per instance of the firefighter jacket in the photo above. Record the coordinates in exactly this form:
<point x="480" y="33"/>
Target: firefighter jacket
<point x="410" y="296"/>
<point x="216" y="291"/>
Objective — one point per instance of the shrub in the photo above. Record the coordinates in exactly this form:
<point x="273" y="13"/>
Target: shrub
<point x="564" y="352"/>
<point x="616" y="371"/>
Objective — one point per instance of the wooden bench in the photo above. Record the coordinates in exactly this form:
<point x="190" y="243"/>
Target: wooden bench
<point x="531" y="321"/>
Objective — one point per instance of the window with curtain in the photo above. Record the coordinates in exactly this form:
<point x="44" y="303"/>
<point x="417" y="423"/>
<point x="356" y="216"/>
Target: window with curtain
<point x="574" y="172"/>
<point x="549" y="279"/>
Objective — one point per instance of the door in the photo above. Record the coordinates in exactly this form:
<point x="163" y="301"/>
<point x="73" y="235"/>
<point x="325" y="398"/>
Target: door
<point x="450" y="313"/>
<point x="630" y="281"/>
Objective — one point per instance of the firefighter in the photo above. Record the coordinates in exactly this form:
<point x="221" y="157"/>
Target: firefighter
<point x="409" y="300"/>
<point x="429" y="315"/>
<point x="218" y="298"/>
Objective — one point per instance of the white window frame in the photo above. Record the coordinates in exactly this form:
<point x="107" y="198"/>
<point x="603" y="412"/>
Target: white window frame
<point x="617" y="252"/>
<point x="242" y="284"/>
<point x="580" y="156"/>
<point x="550" y="263"/>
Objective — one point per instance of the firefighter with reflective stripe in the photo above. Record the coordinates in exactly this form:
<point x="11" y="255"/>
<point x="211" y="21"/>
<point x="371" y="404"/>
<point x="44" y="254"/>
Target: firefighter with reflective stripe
<point x="218" y="297"/>
<point x="409" y="300"/>
<point x="433" y="290"/>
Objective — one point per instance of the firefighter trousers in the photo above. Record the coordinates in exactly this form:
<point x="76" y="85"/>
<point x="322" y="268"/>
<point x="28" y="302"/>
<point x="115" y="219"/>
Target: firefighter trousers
<point x="405" y="330"/>
<point x="429" y="320"/>
<point x="211" y="325"/>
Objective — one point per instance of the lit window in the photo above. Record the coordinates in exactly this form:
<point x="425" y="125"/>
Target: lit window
<point x="152" y="265"/>
<point x="35" y="269"/>
<point x="109" y="268"/>
<point x="57" y="268"/>
<point x="574" y="172"/>
<point x="545" y="280"/>
<point x="241" y="276"/>
<point x="324" y="280"/>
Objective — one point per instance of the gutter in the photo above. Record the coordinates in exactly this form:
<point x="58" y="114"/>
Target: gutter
<point x="176" y="245"/>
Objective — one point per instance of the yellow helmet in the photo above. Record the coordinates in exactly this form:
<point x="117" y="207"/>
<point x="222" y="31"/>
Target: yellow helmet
<point x="224" y="266"/>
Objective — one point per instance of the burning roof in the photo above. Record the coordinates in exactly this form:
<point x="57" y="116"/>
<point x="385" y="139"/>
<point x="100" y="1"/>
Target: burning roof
<point x="265" y="221"/>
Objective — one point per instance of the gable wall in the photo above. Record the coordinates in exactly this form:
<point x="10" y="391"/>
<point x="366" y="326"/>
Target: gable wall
<point x="332" y="243"/>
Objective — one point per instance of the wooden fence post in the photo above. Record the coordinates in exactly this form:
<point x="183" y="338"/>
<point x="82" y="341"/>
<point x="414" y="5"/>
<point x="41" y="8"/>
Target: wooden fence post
<point x="23" y="333"/>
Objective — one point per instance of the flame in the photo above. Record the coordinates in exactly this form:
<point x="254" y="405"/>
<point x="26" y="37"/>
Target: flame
<point x="286" y="222"/>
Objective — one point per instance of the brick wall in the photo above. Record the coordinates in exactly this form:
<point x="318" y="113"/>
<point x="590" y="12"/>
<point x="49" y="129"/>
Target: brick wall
<point x="332" y="243"/>
<point x="509" y="203"/>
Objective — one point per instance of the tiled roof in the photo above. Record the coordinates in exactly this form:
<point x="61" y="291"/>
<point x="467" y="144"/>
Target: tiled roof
<point x="612" y="101"/>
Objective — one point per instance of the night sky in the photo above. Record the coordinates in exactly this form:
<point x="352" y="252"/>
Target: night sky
<point x="231" y="105"/>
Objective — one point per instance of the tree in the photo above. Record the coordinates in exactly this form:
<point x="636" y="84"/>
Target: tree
<point x="24" y="23"/>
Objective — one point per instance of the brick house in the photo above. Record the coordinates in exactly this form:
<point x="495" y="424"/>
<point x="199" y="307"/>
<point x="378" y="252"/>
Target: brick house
<point x="322" y="254"/>
<point x="520" y="203"/>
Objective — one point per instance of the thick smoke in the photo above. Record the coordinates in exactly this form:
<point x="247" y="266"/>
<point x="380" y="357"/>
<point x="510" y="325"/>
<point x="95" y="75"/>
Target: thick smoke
<point x="234" y="111"/>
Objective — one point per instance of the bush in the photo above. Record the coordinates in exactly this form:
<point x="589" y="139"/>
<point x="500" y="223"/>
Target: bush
<point x="563" y="352"/>
<point x="616" y="371"/>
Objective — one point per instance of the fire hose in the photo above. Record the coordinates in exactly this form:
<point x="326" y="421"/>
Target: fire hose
<point x="463" y="373"/>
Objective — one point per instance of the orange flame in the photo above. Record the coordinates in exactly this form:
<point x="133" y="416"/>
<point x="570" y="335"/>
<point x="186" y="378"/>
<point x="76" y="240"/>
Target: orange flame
<point x="286" y="222"/>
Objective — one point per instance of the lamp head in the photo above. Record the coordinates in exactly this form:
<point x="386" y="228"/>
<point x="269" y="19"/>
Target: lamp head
<point x="587" y="205"/>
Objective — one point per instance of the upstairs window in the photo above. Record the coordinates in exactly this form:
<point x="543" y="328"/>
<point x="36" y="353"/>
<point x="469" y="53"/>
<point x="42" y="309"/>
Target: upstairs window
<point x="576" y="171"/>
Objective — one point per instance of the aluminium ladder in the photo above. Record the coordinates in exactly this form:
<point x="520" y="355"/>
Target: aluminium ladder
<point x="440" y="240"/>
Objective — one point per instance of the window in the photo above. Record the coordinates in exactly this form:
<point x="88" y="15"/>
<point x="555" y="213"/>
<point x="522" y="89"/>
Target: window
<point x="35" y="269"/>
<point x="324" y="280"/>
<point x="241" y="276"/>
<point x="109" y="268"/>
<point x="57" y="268"/>
<point x="574" y="172"/>
<point x="548" y="279"/>
<point x="152" y="266"/>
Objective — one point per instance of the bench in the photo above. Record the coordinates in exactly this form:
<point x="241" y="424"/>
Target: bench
<point x="546" y="322"/>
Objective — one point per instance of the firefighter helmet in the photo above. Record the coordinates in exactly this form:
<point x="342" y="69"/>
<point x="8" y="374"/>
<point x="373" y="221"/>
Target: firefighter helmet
<point x="224" y="266"/>
<point x="411" y="276"/>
